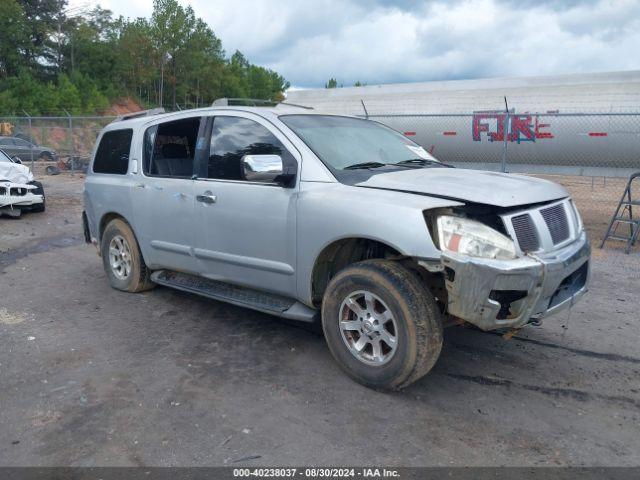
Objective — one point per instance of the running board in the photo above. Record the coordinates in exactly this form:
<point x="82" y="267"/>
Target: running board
<point x="241" y="296"/>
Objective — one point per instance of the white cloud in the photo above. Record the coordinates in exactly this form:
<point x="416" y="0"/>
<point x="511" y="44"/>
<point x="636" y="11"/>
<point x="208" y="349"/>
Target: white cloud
<point x="382" y="42"/>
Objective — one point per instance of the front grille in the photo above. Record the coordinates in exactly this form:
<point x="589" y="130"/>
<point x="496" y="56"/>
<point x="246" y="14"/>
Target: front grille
<point x="525" y="232"/>
<point x="13" y="191"/>
<point x="557" y="222"/>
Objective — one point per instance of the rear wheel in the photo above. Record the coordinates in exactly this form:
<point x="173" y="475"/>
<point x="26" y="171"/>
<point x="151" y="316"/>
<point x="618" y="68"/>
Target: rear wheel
<point x="122" y="258"/>
<point x="46" y="157"/>
<point x="382" y="325"/>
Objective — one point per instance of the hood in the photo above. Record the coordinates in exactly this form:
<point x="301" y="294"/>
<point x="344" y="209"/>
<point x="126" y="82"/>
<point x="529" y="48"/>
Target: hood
<point x="14" y="172"/>
<point x="477" y="186"/>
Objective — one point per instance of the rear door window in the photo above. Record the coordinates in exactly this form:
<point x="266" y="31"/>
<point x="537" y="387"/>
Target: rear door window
<point x="112" y="155"/>
<point x="170" y="148"/>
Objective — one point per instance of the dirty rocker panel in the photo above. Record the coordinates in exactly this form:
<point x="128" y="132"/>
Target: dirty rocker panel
<point x="241" y="296"/>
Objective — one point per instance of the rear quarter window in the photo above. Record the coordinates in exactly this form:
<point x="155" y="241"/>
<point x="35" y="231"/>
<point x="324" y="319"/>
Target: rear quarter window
<point x="112" y="155"/>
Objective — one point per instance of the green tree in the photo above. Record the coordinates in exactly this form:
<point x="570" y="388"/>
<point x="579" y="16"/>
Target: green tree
<point x="42" y="20"/>
<point x="168" y="24"/>
<point x="69" y="96"/>
<point x="13" y="38"/>
<point x="332" y="83"/>
<point x="91" y="47"/>
<point x="52" y="59"/>
<point x="135" y="65"/>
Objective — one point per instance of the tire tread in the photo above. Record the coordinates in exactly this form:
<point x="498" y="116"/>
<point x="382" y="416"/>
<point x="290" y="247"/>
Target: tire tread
<point x="142" y="281"/>
<point x="424" y="313"/>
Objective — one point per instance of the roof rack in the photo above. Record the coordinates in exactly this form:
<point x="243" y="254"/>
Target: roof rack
<point x="254" y="102"/>
<point x="142" y="113"/>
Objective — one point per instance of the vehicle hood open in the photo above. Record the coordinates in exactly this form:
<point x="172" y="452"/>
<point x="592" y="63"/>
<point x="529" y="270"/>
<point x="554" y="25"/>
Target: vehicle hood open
<point x="489" y="188"/>
<point x="14" y="172"/>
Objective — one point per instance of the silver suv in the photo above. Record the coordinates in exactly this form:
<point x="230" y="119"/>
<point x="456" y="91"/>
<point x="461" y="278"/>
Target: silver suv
<point x="311" y="216"/>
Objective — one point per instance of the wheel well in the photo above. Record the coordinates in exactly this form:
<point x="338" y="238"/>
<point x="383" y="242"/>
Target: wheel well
<point x="341" y="254"/>
<point x="106" y="218"/>
<point x="104" y="221"/>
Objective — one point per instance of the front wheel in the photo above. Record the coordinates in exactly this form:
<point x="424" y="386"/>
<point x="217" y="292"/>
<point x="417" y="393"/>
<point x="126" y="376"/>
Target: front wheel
<point x="382" y="325"/>
<point x="122" y="258"/>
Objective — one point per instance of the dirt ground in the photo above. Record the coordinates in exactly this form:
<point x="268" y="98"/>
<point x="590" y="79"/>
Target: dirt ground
<point x="93" y="376"/>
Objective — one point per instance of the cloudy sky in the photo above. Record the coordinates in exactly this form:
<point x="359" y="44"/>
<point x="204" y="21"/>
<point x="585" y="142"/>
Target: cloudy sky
<point x="377" y="41"/>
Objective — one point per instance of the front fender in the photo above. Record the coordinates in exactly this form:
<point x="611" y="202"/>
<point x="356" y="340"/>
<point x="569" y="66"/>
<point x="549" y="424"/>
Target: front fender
<point x="328" y="212"/>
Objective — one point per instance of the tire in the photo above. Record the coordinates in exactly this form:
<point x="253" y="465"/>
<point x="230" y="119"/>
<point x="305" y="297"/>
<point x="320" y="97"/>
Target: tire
<point x="132" y="275"/>
<point x="39" y="191"/>
<point x="415" y="324"/>
<point x="45" y="157"/>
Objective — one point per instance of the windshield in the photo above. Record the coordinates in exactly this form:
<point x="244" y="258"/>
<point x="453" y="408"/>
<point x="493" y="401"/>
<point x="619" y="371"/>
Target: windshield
<point x="345" y="143"/>
<point x="4" y="157"/>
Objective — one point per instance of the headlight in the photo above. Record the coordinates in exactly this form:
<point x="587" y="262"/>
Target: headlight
<point x="577" y="219"/>
<point x="468" y="237"/>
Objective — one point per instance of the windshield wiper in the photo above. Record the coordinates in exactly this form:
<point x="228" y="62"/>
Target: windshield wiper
<point x="421" y="162"/>
<point x="364" y="165"/>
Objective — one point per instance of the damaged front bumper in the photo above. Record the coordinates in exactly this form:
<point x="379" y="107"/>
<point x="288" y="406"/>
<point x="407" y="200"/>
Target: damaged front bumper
<point x="16" y="196"/>
<point x="495" y="294"/>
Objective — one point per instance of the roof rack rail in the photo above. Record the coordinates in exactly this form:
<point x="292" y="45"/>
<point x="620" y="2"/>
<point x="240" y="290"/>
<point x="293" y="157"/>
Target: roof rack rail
<point x="142" y="113"/>
<point x="253" y="102"/>
<point x="297" y="105"/>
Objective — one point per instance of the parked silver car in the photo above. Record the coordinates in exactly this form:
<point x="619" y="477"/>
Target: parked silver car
<point x="312" y="216"/>
<point x="26" y="150"/>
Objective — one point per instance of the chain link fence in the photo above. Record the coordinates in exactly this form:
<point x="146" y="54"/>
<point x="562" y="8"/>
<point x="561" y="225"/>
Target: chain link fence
<point x="591" y="154"/>
<point x="51" y="145"/>
<point x="582" y="144"/>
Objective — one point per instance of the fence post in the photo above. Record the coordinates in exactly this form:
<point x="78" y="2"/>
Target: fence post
<point x="71" y="147"/>
<point x="503" y="165"/>
<point x="366" y="113"/>
<point x="33" y="169"/>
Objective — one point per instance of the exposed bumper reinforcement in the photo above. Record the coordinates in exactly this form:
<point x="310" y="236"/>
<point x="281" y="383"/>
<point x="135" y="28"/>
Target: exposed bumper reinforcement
<point x="495" y="294"/>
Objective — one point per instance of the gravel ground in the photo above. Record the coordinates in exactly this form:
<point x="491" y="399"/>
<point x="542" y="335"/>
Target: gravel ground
<point x="93" y="376"/>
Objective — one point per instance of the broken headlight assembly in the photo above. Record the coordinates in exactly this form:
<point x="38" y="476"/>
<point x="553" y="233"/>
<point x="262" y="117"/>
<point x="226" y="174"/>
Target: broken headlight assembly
<point x="469" y="237"/>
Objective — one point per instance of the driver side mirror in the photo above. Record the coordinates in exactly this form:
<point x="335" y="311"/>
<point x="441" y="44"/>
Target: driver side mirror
<point x="17" y="160"/>
<point x="265" y="168"/>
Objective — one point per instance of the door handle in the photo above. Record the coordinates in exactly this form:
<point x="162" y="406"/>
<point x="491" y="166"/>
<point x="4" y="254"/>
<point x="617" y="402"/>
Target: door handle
<point x="207" y="198"/>
<point x="140" y="185"/>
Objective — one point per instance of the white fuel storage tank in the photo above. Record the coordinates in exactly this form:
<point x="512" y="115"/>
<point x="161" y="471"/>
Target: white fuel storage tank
<point x="574" y="124"/>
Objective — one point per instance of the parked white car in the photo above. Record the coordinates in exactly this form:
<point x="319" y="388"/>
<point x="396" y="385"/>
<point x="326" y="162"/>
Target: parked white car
<point x="18" y="190"/>
<point x="307" y="216"/>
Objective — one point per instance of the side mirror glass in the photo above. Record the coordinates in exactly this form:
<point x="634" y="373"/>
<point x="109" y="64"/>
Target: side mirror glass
<point x="17" y="160"/>
<point x="262" y="168"/>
